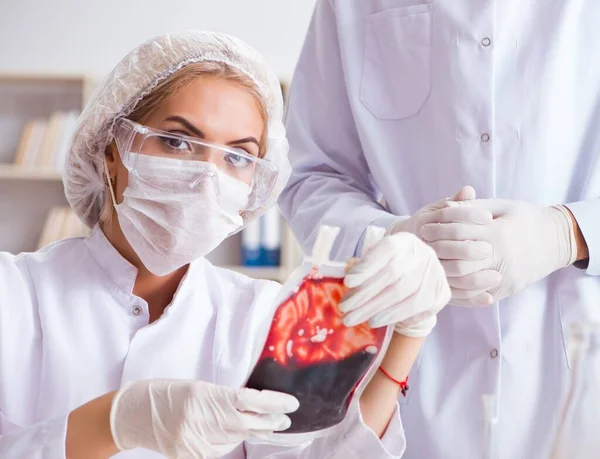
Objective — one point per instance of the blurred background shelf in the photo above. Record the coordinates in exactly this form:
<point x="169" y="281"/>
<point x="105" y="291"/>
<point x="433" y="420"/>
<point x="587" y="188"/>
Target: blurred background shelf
<point x="28" y="193"/>
<point x="14" y="172"/>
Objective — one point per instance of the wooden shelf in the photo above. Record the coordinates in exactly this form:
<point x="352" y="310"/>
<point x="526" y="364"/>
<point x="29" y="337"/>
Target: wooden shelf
<point x="12" y="172"/>
<point x="261" y="272"/>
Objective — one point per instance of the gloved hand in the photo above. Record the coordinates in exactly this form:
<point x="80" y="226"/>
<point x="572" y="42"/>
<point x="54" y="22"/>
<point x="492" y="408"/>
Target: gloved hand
<point x="434" y="212"/>
<point x="400" y="281"/>
<point x="529" y="242"/>
<point x="464" y="260"/>
<point x="194" y="419"/>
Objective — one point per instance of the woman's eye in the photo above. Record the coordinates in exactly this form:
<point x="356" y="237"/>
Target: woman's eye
<point x="178" y="144"/>
<point x="237" y="160"/>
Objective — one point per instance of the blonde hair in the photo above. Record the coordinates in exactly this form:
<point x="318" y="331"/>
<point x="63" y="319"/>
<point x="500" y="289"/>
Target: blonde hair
<point x="178" y="80"/>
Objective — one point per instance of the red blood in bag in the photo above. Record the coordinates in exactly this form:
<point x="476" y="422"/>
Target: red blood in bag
<point x="312" y="355"/>
<point x="307" y="327"/>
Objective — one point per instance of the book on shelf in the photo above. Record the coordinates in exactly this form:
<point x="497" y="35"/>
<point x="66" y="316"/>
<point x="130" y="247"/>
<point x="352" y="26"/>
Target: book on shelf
<point x="24" y="141"/>
<point x="261" y="240"/>
<point x="44" y="143"/>
<point x="30" y="143"/>
<point x="61" y="223"/>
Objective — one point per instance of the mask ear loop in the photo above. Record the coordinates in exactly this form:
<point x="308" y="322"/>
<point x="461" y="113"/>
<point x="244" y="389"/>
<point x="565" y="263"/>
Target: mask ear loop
<point x="110" y="183"/>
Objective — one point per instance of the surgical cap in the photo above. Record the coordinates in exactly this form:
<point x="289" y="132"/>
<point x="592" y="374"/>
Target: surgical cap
<point x="135" y="77"/>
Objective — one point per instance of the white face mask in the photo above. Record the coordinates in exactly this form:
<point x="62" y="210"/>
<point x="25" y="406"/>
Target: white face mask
<point x="169" y="223"/>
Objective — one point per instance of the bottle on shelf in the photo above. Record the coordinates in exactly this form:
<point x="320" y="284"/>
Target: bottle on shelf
<point x="271" y="237"/>
<point x="251" y="237"/>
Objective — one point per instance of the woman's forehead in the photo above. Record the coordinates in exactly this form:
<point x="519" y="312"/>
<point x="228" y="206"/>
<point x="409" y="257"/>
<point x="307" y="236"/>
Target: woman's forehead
<point x="214" y="105"/>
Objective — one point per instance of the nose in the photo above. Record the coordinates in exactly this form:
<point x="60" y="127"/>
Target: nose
<point x="214" y="156"/>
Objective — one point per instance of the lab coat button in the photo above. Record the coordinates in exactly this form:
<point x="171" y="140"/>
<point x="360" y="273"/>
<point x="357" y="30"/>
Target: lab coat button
<point x="136" y="310"/>
<point x="494" y="353"/>
<point x="486" y="42"/>
<point x="485" y="137"/>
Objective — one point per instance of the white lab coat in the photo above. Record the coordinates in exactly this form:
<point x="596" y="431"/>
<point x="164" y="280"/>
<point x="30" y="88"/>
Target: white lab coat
<point x="421" y="97"/>
<point x="71" y="330"/>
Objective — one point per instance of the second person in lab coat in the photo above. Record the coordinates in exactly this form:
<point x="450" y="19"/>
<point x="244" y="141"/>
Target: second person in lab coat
<point x="406" y="101"/>
<point x="129" y="342"/>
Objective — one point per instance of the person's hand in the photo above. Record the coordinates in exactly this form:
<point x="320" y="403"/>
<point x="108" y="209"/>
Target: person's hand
<point x="438" y="211"/>
<point x="463" y="259"/>
<point x="529" y="242"/>
<point x="399" y="282"/>
<point x="194" y="419"/>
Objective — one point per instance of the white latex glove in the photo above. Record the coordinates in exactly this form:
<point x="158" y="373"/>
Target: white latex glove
<point x="529" y="242"/>
<point x="431" y="214"/>
<point x="194" y="419"/>
<point x="465" y="258"/>
<point x="400" y="281"/>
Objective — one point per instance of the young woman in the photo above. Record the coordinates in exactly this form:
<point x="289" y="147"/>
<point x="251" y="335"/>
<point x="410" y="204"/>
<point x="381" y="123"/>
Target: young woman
<point x="129" y="342"/>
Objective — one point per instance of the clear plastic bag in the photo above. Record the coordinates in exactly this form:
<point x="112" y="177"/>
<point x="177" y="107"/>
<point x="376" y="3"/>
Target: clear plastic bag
<point x="310" y="354"/>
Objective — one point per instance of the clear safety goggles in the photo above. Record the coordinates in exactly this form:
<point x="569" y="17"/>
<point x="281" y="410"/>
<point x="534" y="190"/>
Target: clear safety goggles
<point x="135" y="141"/>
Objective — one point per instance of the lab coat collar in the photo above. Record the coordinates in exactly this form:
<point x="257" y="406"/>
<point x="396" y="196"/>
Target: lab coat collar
<point x="122" y="273"/>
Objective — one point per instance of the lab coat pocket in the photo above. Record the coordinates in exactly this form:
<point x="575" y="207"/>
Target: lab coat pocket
<point x="6" y="426"/>
<point x="396" y="73"/>
<point x="578" y="302"/>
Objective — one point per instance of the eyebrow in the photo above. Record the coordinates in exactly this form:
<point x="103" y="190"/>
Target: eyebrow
<point x="198" y="133"/>
<point x="245" y="140"/>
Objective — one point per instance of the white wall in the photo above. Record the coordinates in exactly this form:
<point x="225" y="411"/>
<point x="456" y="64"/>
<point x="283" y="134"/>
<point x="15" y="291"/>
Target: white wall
<point x="92" y="35"/>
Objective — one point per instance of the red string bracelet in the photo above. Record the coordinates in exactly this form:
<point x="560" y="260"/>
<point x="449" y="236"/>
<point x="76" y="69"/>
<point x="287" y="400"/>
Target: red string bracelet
<point x="403" y="384"/>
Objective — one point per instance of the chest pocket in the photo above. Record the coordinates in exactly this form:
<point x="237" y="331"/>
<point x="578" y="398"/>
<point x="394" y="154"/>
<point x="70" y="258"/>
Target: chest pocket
<point x="396" y="73"/>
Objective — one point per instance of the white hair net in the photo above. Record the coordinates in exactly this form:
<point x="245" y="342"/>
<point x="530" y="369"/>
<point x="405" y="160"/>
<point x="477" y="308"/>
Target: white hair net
<point x="135" y="77"/>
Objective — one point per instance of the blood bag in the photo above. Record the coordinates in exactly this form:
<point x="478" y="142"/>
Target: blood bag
<point x="310" y="353"/>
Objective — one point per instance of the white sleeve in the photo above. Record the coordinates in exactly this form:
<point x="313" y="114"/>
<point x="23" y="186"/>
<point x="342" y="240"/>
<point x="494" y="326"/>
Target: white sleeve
<point x="20" y="341"/>
<point x="44" y="440"/>
<point x="330" y="179"/>
<point x="356" y="441"/>
<point x="20" y="356"/>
